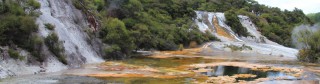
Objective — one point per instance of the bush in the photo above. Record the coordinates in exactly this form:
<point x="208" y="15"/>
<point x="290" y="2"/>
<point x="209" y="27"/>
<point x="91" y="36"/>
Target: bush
<point x="35" y="46"/>
<point x="233" y="21"/>
<point x="311" y="49"/>
<point x="164" y="24"/>
<point x="307" y="55"/>
<point x="77" y="4"/>
<point x="238" y="48"/>
<point x="315" y="17"/>
<point x="56" y="47"/>
<point x="115" y="33"/>
<point x="15" y="55"/>
<point x="16" y="29"/>
<point x="34" y="4"/>
<point x="113" y="52"/>
<point x="49" y="26"/>
<point x="86" y="5"/>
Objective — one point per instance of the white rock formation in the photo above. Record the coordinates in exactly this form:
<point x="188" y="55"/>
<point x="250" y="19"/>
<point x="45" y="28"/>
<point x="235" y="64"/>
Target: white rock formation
<point x="70" y="25"/>
<point x="259" y="43"/>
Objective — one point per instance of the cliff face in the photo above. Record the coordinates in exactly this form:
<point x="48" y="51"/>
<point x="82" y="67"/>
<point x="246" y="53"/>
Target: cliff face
<point x="71" y="26"/>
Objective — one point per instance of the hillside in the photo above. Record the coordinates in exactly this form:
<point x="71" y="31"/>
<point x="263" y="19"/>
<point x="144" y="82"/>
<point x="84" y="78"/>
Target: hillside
<point x="169" y="22"/>
<point x="315" y="17"/>
<point x="40" y="36"/>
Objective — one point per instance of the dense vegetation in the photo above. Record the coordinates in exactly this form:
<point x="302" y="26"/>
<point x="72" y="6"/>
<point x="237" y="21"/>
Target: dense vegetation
<point x="310" y="40"/>
<point x="165" y="24"/>
<point x="315" y="17"/>
<point x="274" y="23"/>
<point x="17" y="25"/>
<point x="233" y="21"/>
<point x="145" y="24"/>
<point x="128" y="25"/>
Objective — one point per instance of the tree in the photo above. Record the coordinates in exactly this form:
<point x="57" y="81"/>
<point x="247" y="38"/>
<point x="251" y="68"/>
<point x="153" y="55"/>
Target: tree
<point x="315" y="17"/>
<point x="133" y="7"/>
<point x="115" y="33"/>
<point x="233" y="21"/>
<point x="143" y="37"/>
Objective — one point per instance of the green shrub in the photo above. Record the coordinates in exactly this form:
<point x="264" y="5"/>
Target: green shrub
<point x="56" y="47"/>
<point x="15" y="9"/>
<point x="307" y="55"/>
<point x="115" y="33"/>
<point x="16" y="29"/>
<point x="233" y="21"/>
<point x="311" y="49"/>
<point x="238" y="48"/>
<point x="35" y="47"/>
<point x="87" y="5"/>
<point x="315" y="17"/>
<point x="164" y="24"/>
<point x="113" y="52"/>
<point x="49" y="26"/>
<point x="34" y="4"/>
<point x="77" y="4"/>
<point x="15" y="55"/>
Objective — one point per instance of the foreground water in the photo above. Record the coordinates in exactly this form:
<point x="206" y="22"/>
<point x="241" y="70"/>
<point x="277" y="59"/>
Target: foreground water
<point x="183" y="67"/>
<point x="232" y="70"/>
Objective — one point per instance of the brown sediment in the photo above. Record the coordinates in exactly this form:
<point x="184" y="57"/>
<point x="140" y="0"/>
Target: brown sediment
<point x="220" y="31"/>
<point x="116" y="75"/>
<point x="142" y="71"/>
<point x="185" y="52"/>
<point x="119" y="66"/>
<point x="185" y="62"/>
<point x="221" y="80"/>
<point x="132" y="76"/>
<point x="189" y="52"/>
<point x="256" y="67"/>
<point x="244" y="76"/>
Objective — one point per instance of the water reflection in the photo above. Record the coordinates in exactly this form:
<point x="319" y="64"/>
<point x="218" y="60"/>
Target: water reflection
<point x="231" y="70"/>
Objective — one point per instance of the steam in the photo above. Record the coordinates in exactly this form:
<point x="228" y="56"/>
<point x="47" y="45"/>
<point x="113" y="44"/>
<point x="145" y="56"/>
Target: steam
<point x="114" y="4"/>
<point x="296" y="30"/>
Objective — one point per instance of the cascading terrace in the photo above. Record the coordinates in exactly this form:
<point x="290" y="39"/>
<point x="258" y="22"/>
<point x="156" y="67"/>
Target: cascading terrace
<point x="255" y="43"/>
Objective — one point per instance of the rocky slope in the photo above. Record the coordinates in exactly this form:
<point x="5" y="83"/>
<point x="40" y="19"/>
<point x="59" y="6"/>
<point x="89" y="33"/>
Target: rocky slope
<point x="70" y="26"/>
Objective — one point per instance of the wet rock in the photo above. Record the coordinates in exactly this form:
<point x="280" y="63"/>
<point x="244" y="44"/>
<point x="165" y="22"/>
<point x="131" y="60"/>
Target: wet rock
<point x="202" y="70"/>
<point x="245" y="76"/>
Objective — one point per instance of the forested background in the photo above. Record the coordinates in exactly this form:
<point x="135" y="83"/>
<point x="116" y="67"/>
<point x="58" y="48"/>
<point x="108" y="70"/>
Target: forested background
<point x="129" y="25"/>
<point x="165" y="24"/>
